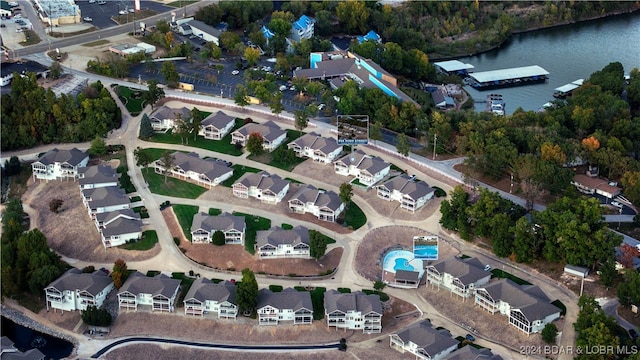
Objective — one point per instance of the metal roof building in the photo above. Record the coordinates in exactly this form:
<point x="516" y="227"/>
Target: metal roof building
<point x="453" y="66"/>
<point x="510" y="74"/>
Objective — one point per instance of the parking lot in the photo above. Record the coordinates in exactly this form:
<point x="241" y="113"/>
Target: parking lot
<point x="102" y="14"/>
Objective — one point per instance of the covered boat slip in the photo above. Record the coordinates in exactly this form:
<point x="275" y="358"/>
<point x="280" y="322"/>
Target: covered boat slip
<point x="453" y="67"/>
<point x="566" y="90"/>
<point x="508" y="77"/>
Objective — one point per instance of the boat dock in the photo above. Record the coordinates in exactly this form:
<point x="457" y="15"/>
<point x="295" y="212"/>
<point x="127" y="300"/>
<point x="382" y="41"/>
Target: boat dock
<point x="495" y="104"/>
<point x="566" y="90"/>
<point x="526" y="75"/>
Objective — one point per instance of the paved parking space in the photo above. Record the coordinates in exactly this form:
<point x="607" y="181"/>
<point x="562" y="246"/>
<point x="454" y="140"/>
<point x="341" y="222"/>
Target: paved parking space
<point x="102" y="14"/>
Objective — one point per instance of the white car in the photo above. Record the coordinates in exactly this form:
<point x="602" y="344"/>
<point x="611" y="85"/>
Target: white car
<point x="19" y="30"/>
<point x="13" y="4"/>
<point x="616" y="204"/>
<point x="235" y="72"/>
<point x="122" y="12"/>
<point x="283" y="87"/>
<point x="132" y="10"/>
<point x="87" y="19"/>
<point x="101" y="2"/>
<point x="321" y="106"/>
<point x="487" y="267"/>
<point x="92" y="1"/>
<point x="17" y="16"/>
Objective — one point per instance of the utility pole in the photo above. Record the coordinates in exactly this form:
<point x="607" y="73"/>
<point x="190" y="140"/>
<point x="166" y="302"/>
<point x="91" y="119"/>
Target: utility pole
<point x="435" y="142"/>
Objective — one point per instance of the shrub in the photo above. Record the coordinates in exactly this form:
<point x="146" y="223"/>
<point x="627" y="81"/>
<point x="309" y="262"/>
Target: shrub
<point x="439" y="192"/>
<point x="218" y="238"/>
<point x="96" y="317"/>
<point x="549" y="333"/>
<point x="55" y="205"/>
<point x="89" y="269"/>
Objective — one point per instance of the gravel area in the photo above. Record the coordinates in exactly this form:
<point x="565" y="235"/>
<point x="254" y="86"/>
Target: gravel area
<point x="67" y="320"/>
<point x="495" y="328"/>
<point x="376" y="242"/>
<point x="72" y="232"/>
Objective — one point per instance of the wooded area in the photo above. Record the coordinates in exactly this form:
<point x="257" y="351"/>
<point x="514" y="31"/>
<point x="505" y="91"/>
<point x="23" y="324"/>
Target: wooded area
<point x="33" y="116"/>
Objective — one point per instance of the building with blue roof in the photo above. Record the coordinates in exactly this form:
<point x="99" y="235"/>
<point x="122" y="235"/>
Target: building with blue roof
<point x="267" y="33"/>
<point x="371" y="35"/>
<point x="302" y="28"/>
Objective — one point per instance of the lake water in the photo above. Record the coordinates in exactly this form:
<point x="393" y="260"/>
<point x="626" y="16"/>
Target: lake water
<point x="568" y="53"/>
<point x="25" y="339"/>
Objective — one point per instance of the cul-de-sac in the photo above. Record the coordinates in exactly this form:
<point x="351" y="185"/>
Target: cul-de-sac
<point x="319" y="180"/>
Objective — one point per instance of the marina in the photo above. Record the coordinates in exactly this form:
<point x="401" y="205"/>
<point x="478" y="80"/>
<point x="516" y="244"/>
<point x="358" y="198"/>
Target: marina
<point x="525" y="75"/>
<point x="566" y="90"/>
<point x="495" y="104"/>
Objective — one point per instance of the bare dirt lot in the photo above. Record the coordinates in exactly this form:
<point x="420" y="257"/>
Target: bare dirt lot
<point x="71" y="232"/>
<point x="236" y="258"/>
<point x="495" y="327"/>
<point x="373" y="247"/>
<point x="66" y="320"/>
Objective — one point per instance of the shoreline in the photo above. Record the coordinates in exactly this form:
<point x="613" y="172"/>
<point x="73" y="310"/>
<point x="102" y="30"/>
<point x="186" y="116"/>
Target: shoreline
<point x="529" y="30"/>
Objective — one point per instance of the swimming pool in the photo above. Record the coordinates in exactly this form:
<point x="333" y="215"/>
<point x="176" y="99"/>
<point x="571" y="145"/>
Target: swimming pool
<point x="402" y="260"/>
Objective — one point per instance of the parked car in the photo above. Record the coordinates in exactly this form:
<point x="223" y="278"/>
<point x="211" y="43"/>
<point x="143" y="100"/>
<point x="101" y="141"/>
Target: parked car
<point x="470" y="337"/>
<point x="101" y="2"/>
<point x="19" y="30"/>
<point x="321" y="107"/>
<point x="13" y="4"/>
<point x="616" y="204"/>
<point x="92" y="1"/>
<point x="17" y="16"/>
<point x="487" y="267"/>
<point x="3" y="25"/>
<point x="283" y="87"/>
<point x="132" y="10"/>
<point x="235" y="72"/>
<point x="122" y="12"/>
<point x="633" y="334"/>
<point x="87" y="19"/>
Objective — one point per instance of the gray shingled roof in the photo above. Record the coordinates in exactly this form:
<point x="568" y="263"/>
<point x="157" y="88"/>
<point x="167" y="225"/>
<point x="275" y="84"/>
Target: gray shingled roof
<point x="286" y="299"/>
<point x="31" y="354"/>
<point x="263" y="181"/>
<point x="356" y="301"/>
<point x="97" y="174"/>
<point x="218" y="120"/>
<point x="122" y="226"/>
<point x="355" y="155"/>
<point x="108" y="216"/>
<point x="72" y="157"/>
<point x="204" y="289"/>
<point x="192" y="162"/>
<point x="408" y="186"/>
<point x="106" y="196"/>
<point x="75" y="279"/>
<point x="467" y="270"/>
<point x="165" y="112"/>
<point x="222" y="222"/>
<point x="330" y="200"/>
<point x="373" y="165"/>
<point x="306" y="194"/>
<point x="406" y="275"/>
<point x="317" y="143"/>
<point x="309" y="194"/>
<point x="277" y="235"/>
<point x="529" y="299"/>
<point x="160" y="284"/>
<point x="468" y="352"/>
<point x="6" y="343"/>
<point x="426" y="337"/>
<point x="268" y="130"/>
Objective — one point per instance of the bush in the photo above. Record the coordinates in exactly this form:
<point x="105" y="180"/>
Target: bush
<point x="549" y="333"/>
<point x="96" y="317"/>
<point x="218" y="238"/>
<point x="89" y="269"/>
<point x="176" y="241"/>
<point x="439" y="192"/>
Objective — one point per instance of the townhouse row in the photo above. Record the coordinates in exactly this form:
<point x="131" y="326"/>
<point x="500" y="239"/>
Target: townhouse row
<point x="526" y="306"/>
<point x="107" y="204"/>
<point x="76" y="290"/>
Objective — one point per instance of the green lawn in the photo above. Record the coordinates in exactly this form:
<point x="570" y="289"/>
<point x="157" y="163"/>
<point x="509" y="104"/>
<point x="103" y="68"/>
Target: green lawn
<point x="155" y="153"/>
<point x="286" y="226"/>
<point x="185" y="214"/>
<point x="396" y="168"/>
<point x="132" y="99"/>
<point x="254" y="223"/>
<point x="223" y="146"/>
<point x="148" y="241"/>
<point x="383" y="295"/>
<point x="214" y="212"/>
<point x="354" y="216"/>
<point x="503" y="274"/>
<point x="288" y="166"/>
<point x="172" y="186"/>
<point x="238" y="171"/>
<point x="275" y="288"/>
<point x="293" y="135"/>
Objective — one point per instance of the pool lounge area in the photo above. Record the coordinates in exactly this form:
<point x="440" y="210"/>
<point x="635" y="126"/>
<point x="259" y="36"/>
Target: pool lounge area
<point x="401" y="269"/>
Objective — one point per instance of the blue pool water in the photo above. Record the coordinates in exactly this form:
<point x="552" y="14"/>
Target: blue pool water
<point x="426" y="252"/>
<point x="403" y="264"/>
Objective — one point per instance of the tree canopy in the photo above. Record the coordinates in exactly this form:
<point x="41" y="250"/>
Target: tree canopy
<point x="247" y="292"/>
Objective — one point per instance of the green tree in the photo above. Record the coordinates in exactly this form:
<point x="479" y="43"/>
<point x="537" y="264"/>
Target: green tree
<point x="629" y="289"/>
<point x="254" y="144"/>
<point x="153" y="93"/>
<point x="143" y="158"/>
<point x="631" y="183"/>
<point x="98" y="147"/>
<point x="379" y="285"/>
<point x="247" y="292"/>
<point x="346" y="192"/>
<point x="402" y="145"/>
<point x="96" y="317"/>
<point x="196" y="121"/>
<point x="167" y="162"/>
<point x="146" y="129"/>
<point x="252" y="55"/>
<point x="218" y="238"/>
<point x="317" y="244"/>
<point x="353" y="15"/>
<point x="526" y="243"/>
<point x="454" y="213"/>
<point x="301" y="119"/>
<point x="170" y="73"/>
<point x="276" y="103"/>
<point x="12" y="166"/>
<point x="241" y="96"/>
<point x="162" y="26"/>
<point x="119" y="274"/>
<point x="502" y="237"/>
<point x="55" y="70"/>
<point x="608" y="272"/>
<point x="549" y="333"/>
<point x="375" y="132"/>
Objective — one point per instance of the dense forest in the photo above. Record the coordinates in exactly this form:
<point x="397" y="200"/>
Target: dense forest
<point x="32" y="115"/>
